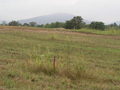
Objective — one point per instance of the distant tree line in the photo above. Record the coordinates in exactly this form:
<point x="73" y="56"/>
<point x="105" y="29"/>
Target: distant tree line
<point x="113" y="26"/>
<point x="53" y="25"/>
<point x="75" y="23"/>
<point x="97" y="25"/>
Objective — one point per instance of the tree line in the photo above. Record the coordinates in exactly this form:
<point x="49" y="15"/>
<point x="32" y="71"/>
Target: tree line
<point x="75" y="23"/>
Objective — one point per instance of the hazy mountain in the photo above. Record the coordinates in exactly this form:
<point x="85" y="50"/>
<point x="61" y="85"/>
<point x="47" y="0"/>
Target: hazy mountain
<point x="3" y="22"/>
<point x="118" y="22"/>
<point x="0" y="21"/>
<point x="61" y="17"/>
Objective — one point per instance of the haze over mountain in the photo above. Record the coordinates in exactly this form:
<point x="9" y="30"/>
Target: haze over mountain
<point x="118" y="22"/>
<point x="59" y="17"/>
<point x="1" y="21"/>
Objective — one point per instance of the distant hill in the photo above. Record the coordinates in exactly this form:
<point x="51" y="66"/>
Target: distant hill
<point x="0" y="21"/>
<point x="61" y="17"/>
<point x="118" y="22"/>
<point x="3" y="21"/>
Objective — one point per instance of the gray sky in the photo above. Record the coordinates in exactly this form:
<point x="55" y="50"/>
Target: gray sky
<point x="102" y="10"/>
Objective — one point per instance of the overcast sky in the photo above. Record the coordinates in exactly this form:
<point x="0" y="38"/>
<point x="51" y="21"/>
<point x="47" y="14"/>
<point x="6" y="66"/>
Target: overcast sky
<point x="102" y="10"/>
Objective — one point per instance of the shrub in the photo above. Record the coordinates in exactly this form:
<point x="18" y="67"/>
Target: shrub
<point x="97" y="25"/>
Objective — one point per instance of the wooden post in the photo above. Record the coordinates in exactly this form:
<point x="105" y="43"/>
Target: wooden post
<point x="54" y="63"/>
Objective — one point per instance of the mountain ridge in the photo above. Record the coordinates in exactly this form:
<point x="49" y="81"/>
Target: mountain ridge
<point x="59" y="17"/>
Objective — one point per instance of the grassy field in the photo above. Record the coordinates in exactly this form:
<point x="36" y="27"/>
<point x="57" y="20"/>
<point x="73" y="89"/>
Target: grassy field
<point x="99" y="32"/>
<point x="83" y="61"/>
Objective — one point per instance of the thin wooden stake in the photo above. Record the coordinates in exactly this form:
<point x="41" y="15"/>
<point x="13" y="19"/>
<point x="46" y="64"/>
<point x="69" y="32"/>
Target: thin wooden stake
<point x="54" y="63"/>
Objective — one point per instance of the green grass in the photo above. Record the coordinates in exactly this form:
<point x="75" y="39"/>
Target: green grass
<point x="104" y="32"/>
<point x="83" y="62"/>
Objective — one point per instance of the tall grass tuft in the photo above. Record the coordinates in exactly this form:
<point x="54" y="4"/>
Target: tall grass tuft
<point x="66" y="64"/>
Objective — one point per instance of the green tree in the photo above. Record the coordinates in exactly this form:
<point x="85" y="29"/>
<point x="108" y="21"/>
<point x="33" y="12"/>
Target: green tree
<point x="33" y="24"/>
<point x="40" y="25"/>
<point x="114" y="26"/>
<point x="14" y="23"/>
<point x="25" y="24"/>
<point x="55" y="25"/>
<point x="97" y="25"/>
<point x="75" y="23"/>
<point x="69" y="25"/>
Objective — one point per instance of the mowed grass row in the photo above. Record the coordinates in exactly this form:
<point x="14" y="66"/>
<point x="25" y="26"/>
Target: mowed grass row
<point x="82" y="61"/>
